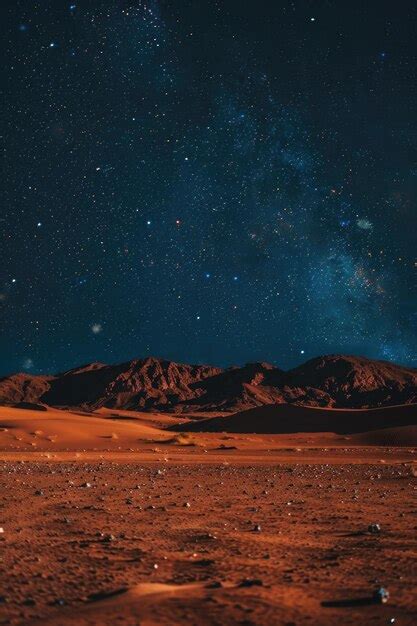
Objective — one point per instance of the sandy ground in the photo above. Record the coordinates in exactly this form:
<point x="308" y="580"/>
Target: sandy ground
<point x="203" y="529"/>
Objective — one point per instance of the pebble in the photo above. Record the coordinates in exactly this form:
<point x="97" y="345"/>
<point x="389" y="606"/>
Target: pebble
<point x="381" y="595"/>
<point x="374" y="528"/>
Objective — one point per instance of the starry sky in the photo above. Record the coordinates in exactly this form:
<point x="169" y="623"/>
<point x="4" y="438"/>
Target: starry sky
<point x="215" y="181"/>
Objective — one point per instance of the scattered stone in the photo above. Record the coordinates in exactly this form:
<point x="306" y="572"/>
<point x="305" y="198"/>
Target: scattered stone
<point x="251" y="582"/>
<point x="374" y="529"/>
<point x="381" y="595"/>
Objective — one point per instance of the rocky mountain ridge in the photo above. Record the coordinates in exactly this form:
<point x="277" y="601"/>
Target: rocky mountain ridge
<point x="153" y="384"/>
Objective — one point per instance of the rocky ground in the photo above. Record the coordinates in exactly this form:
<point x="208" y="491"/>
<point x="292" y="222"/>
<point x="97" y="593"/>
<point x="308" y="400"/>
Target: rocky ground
<point x="111" y="542"/>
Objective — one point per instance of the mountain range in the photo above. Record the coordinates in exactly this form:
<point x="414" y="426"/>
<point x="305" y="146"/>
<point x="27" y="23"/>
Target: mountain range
<point x="153" y="384"/>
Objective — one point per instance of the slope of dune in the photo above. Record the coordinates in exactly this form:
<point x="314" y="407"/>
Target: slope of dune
<point x="65" y="430"/>
<point x="290" y="418"/>
<point x="397" y="437"/>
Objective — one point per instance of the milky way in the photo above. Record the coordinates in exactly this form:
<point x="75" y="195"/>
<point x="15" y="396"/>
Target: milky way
<point x="208" y="181"/>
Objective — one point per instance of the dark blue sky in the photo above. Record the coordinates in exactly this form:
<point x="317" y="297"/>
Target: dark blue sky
<point x="208" y="181"/>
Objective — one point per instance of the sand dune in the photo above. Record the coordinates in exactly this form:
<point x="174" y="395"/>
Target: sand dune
<point x="289" y="418"/>
<point x="54" y="429"/>
<point x="277" y="426"/>
<point x="401" y="436"/>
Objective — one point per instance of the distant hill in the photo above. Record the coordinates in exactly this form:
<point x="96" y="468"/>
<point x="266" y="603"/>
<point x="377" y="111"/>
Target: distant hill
<point x="154" y="384"/>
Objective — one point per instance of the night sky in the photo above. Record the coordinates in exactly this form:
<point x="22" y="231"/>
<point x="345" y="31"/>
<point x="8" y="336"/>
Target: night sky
<point x="208" y="181"/>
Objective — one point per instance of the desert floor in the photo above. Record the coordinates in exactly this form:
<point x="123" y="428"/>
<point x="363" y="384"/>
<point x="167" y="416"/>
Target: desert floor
<point x="120" y="522"/>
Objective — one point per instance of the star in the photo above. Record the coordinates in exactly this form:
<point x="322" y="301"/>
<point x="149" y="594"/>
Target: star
<point x="226" y="176"/>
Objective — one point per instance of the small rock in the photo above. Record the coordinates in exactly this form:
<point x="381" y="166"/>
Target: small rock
<point x="381" y="595"/>
<point x="374" y="529"/>
<point x="251" y="582"/>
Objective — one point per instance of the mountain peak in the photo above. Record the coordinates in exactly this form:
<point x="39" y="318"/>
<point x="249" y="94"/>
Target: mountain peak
<point x="88" y="367"/>
<point x="154" y="383"/>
